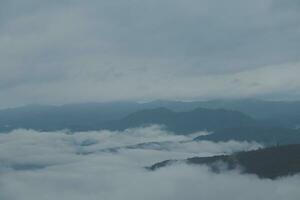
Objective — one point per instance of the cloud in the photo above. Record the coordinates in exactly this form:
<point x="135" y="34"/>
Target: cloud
<point x="66" y="173"/>
<point x="66" y="51"/>
<point x="270" y="82"/>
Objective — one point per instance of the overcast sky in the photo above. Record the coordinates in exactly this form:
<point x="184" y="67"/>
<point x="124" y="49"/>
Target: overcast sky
<point x="60" y="51"/>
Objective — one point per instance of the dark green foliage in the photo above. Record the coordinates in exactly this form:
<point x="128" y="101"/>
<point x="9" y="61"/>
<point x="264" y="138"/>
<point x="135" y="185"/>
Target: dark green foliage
<point x="271" y="162"/>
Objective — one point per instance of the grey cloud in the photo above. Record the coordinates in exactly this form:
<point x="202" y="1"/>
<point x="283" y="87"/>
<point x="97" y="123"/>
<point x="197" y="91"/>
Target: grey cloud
<point x="50" y="46"/>
<point x="263" y="82"/>
<point x="288" y="4"/>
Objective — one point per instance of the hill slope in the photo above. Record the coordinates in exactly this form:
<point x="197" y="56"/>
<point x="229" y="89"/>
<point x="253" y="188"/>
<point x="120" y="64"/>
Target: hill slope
<point x="266" y="163"/>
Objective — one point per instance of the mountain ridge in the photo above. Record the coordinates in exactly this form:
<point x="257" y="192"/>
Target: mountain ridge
<point x="271" y="163"/>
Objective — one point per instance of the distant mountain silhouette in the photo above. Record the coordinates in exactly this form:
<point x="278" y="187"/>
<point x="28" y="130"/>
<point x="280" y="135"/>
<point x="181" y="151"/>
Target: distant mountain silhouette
<point x="265" y="135"/>
<point x="86" y="117"/>
<point x="185" y="122"/>
<point x="91" y="116"/>
<point x="271" y="162"/>
<point x="283" y="113"/>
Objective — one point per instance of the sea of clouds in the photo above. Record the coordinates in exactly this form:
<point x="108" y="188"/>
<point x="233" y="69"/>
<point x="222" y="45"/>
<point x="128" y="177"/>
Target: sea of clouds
<point x="105" y="165"/>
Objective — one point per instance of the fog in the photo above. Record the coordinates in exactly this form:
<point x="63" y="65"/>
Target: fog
<point x="111" y="165"/>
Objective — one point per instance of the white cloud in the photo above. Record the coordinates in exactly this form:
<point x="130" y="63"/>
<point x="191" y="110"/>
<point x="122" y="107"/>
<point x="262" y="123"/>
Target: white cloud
<point x="120" y="175"/>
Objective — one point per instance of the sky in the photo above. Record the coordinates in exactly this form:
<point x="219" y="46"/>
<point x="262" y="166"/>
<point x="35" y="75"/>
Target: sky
<point x="67" y="51"/>
<point x="59" y="165"/>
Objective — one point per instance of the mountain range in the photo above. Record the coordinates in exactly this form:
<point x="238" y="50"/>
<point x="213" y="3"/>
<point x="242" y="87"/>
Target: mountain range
<point x="268" y="122"/>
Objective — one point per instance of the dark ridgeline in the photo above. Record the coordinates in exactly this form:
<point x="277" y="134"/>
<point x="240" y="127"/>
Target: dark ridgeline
<point x="242" y="120"/>
<point x="270" y="163"/>
<point x="89" y="115"/>
<point x="94" y="117"/>
<point x="75" y="117"/>
<point x="266" y="135"/>
<point x="185" y="122"/>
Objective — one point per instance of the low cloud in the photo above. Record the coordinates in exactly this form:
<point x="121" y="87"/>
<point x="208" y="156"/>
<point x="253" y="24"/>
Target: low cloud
<point x="54" y="165"/>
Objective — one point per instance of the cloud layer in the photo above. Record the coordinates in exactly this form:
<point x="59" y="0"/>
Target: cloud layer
<point x="66" y="51"/>
<point x="62" y="165"/>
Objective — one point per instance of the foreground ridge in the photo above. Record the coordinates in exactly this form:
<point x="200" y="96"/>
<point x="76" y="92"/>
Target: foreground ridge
<point x="272" y="162"/>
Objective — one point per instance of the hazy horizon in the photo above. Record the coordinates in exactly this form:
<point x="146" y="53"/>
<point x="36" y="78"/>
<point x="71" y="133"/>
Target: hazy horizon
<point x="150" y="101"/>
